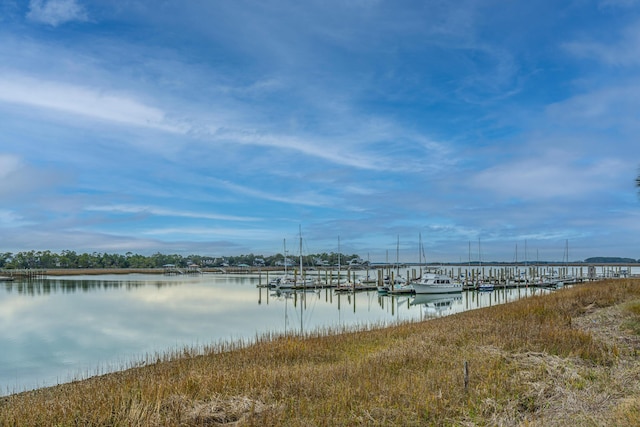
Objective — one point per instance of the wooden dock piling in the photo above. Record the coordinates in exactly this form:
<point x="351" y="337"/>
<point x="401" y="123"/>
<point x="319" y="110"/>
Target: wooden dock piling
<point x="23" y="273"/>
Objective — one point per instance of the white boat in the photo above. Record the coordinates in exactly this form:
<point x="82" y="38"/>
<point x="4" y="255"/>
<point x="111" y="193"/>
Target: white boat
<point x="355" y="286"/>
<point x="297" y="280"/>
<point x="407" y="288"/>
<point x="383" y="288"/>
<point x="277" y="281"/>
<point x="293" y="282"/>
<point x="485" y="287"/>
<point x="397" y="280"/>
<point x="434" y="283"/>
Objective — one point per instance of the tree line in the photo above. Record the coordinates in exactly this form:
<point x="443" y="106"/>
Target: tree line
<point x="71" y="259"/>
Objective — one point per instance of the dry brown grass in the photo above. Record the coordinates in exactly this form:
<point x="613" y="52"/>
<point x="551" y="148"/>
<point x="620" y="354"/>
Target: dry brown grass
<point x="568" y="358"/>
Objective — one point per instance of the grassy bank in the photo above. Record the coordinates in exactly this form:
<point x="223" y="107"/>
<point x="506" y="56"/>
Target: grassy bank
<point x="567" y="358"/>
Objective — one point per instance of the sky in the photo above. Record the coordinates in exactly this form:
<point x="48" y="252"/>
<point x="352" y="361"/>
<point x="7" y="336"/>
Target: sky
<point x="495" y="131"/>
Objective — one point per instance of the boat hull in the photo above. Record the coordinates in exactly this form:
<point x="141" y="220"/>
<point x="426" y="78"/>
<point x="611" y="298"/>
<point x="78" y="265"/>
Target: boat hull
<point x="436" y="289"/>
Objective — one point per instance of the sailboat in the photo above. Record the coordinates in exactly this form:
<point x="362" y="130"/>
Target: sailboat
<point x="297" y="280"/>
<point x="482" y="285"/>
<point x="276" y="282"/>
<point x="399" y="284"/>
<point x="368" y="279"/>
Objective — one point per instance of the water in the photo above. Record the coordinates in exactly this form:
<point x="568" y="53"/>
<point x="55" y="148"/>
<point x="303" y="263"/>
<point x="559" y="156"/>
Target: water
<point x="57" y="329"/>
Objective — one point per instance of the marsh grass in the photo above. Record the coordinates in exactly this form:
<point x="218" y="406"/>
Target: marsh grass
<point x="536" y="361"/>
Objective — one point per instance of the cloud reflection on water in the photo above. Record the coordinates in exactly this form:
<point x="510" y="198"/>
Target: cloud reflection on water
<point x="56" y="329"/>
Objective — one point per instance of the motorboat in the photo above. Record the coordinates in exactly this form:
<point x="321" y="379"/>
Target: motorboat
<point x="485" y="286"/>
<point x="435" y="283"/>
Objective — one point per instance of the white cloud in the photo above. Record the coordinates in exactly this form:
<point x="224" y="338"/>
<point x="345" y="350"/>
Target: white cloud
<point x="19" y="179"/>
<point x="9" y="218"/>
<point x="547" y="178"/>
<point x="209" y="233"/>
<point x="133" y="209"/>
<point x="84" y="101"/>
<point x="308" y="198"/>
<point x="56" y="12"/>
<point x="624" y="52"/>
<point x="8" y="165"/>
<point x="609" y="107"/>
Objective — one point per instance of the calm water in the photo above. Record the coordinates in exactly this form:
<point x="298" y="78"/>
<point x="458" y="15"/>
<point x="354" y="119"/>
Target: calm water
<point x="57" y="329"/>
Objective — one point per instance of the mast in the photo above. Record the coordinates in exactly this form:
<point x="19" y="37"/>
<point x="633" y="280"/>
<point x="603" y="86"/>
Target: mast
<point x="302" y="294"/>
<point x="469" y="270"/>
<point x="420" y="250"/>
<point x="338" y="260"/>
<point x="526" y="267"/>
<point x="479" y="261"/>
<point x="566" y="264"/>
<point x="284" y="245"/>
<point x="517" y="269"/>
<point x="398" y="257"/>
<point x="300" y="231"/>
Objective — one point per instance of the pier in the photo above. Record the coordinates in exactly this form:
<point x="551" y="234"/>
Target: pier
<point x="25" y="273"/>
<point x="171" y="269"/>
<point x="398" y="278"/>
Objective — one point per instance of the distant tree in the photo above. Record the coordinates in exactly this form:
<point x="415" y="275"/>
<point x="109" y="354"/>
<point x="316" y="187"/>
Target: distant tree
<point x="609" y="260"/>
<point x="5" y="259"/>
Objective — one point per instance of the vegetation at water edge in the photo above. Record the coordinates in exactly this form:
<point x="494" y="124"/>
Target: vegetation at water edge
<point x="565" y="358"/>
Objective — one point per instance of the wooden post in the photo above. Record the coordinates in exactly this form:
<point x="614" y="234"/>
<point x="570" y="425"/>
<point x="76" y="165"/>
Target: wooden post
<point x="466" y="376"/>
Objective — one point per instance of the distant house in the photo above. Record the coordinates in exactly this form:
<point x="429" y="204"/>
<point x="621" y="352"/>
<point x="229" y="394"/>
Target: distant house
<point x="259" y="262"/>
<point x="286" y="263"/>
<point x="193" y="267"/>
<point x="243" y="266"/>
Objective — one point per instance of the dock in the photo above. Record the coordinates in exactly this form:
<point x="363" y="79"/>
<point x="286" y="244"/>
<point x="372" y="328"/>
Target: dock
<point x="7" y="275"/>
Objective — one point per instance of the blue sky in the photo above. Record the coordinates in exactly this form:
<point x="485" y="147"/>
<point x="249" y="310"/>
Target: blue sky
<point x="221" y="127"/>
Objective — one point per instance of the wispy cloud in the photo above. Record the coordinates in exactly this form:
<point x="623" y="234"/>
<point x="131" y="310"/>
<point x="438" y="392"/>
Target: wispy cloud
<point x="9" y="218"/>
<point x="612" y="106"/>
<point x="555" y="175"/>
<point x="625" y="51"/>
<point x="309" y="198"/>
<point x="213" y="232"/>
<point x="151" y="210"/>
<point x="20" y="180"/>
<point x="56" y="12"/>
<point x="365" y="118"/>
<point x="83" y="101"/>
<point x="8" y="165"/>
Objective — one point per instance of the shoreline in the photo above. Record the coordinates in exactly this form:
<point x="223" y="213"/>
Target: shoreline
<point x="566" y="358"/>
<point x="100" y="271"/>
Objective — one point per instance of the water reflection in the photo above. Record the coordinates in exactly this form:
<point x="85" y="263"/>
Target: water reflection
<point x="436" y="305"/>
<point x="369" y="308"/>
<point x="45" y="286"/>
<point x="55" y="329"/>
